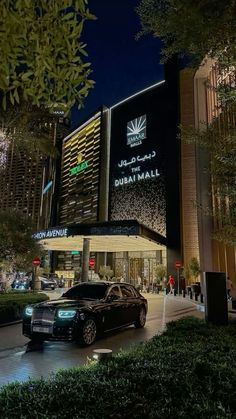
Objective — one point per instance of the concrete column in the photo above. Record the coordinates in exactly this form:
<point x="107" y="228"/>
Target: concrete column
<point x="36" y="282"/>
<point x="85" y="260"/>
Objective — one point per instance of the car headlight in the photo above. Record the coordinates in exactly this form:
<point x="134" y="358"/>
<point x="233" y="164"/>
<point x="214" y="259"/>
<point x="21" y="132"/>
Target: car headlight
<point x="29" y="311"/>
<point x="66" y="314"/>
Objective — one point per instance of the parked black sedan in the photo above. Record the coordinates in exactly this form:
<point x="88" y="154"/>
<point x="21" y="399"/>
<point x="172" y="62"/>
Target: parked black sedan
<point x="84" y="312"/>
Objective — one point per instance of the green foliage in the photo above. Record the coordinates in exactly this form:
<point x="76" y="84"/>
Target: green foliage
<point x="194" y="267"/>
<point x="184" y="373"/>
<point x="13" y="303"/>
<point x="186" y="271"/>
<point x="28" y="129"/>
<point x="43" y="59"/>
<point x="16" y="243"/>
<point x="192" y="27"/>
<point x="160" y="272"/>
<point x="106" y="271"/>
<point x="191" y="269"/>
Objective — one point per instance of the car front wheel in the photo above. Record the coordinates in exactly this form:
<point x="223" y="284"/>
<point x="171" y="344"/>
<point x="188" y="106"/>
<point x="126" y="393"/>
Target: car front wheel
<point x="88" y="332"/>
<point x="140" y="322"/>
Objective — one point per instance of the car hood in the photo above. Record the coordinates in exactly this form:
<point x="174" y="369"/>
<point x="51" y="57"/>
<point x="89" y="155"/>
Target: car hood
<point x="65" y="302"/>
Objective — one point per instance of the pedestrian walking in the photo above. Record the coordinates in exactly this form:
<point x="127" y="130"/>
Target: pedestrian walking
<point x="171" y="283"/>
<point x="229" y="287"/>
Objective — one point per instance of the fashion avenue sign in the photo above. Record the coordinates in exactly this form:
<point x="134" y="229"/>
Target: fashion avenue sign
<point x="135" y="177"/>
<point x="53" y="232"/>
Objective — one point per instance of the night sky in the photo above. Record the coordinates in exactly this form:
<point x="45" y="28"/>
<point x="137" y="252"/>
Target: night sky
<point x="121" y="65"/>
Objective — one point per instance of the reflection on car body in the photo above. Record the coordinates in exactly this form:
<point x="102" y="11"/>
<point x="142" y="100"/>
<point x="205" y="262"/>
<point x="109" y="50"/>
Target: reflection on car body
<point x="84" y="312"/>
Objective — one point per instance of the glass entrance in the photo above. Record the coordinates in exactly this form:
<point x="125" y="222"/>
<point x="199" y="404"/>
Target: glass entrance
<point x="138" y="269"/>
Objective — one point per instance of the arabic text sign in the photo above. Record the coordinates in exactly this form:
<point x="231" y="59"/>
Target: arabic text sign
<point x="137" y="159"/>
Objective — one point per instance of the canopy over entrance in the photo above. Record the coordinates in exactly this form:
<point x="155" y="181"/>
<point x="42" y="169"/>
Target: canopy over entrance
<point x="111" y="236"/>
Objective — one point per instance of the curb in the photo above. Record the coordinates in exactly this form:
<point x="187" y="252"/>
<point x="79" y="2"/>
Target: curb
<point x="10" y="323"/>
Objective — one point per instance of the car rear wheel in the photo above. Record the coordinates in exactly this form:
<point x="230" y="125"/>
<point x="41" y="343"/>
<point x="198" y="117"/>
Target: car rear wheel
<point x="140" y="322"/>
<point x="88" y="332"/>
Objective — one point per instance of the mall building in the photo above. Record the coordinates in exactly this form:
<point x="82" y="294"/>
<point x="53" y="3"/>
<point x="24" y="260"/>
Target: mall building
<point x="128" y="186"/>
<point x="119" y="189"/>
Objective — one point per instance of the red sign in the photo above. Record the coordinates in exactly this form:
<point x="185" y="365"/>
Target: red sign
<point x="178" y="264"/>
<point x="91" y="262"/>
<point x="36" y="261"/>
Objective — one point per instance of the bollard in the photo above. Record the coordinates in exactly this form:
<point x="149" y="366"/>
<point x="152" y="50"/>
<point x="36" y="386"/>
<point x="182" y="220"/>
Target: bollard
<point x="183" y="293"/>
<point x="175" y="292"/>
<point x="196" y="296"/>
<point x="201" y="298"/>
<point x="102" y="354"/>
<point x="191" y="295"/>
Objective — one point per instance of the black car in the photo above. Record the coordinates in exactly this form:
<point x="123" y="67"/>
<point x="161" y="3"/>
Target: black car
<point x="84" y="312"/>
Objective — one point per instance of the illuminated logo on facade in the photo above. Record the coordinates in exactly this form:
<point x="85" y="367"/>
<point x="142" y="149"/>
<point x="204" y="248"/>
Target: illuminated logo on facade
<point x="80" y="167"/>
<point x="136" y="131"/>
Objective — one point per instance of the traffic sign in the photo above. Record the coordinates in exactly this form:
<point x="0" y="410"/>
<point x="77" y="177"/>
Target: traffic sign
<point x="36" y="261"/>
<point x="91" y="262"/>
<point x="178" y="264"/>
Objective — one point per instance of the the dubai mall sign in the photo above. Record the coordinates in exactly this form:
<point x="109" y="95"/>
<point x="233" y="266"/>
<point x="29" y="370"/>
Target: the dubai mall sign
<point x="136" y="131"/>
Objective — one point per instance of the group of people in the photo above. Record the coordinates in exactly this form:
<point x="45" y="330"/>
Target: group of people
<point x="229" y="286"/>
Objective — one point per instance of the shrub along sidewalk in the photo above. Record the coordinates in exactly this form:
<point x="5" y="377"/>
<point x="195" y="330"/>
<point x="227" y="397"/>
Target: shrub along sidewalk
<point x="13" y="303"/>
<point x="188" y="372"/>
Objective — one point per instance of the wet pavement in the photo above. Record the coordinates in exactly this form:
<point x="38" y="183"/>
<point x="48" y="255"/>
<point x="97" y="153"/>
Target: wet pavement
<point x="16" y="364"/>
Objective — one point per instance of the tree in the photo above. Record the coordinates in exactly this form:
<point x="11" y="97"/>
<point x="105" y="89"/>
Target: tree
<point x="187" y="272"/>
<point x="196" y="29"/>
<point x="106" y="272"/>
<point x="191" y="269"/>
<point x="43" y="60"/>
<point x="192" y="27"/>
<point x="29" y="128"/>
<point x="17" y="246"/>
<point x="160" y="272"/>
<point x="194" y="267"/>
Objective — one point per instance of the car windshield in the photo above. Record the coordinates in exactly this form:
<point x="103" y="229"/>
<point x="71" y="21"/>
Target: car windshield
<point x="87" y="291"/>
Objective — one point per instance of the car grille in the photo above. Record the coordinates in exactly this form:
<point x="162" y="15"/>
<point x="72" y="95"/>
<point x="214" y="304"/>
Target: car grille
<point x="43" y="316"/>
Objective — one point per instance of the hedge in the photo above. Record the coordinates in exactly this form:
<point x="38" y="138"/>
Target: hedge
<point x="13" y="303"/>
<point x="188" y="373"/>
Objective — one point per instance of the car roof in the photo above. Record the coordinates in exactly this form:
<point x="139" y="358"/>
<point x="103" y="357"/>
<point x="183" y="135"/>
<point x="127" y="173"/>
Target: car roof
<point x="104" y="283"/>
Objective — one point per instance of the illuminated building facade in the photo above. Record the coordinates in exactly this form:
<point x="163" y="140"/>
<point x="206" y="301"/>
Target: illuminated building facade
<point x="122" y="164"/>
<point x="199" y="108"/>
<point x="28" y="179"/>
<point x="84" y="179"/>
<point x="21" y="182"/>
<point x="144" y="184"/>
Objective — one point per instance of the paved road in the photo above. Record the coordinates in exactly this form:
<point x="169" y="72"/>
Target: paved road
<point x="18" y="365"/>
